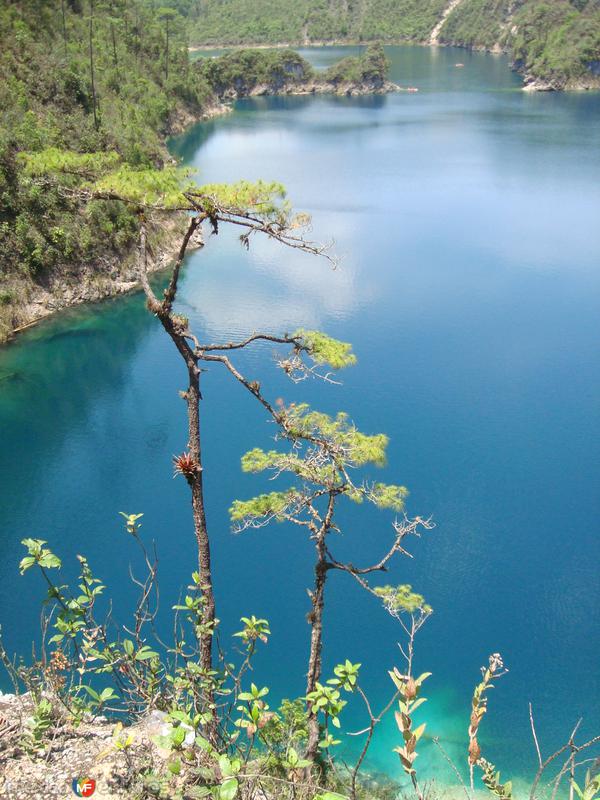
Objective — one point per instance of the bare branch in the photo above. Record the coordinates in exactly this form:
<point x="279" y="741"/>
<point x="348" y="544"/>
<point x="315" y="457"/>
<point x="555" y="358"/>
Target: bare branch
<point x="402" y="529"/>
<point x="436" y="741"/>
<point x="569" y="745"/>
<point x="252" y="338"/>
<point x="533" y="733"/>
<point x="153" y="303"/>
<point x="171" y="289"/>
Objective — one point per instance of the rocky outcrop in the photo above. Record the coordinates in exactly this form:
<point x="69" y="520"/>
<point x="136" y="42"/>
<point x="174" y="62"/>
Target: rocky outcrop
<point x="183" y="117"/>
<point x="582" y="84"/>
<point x="74" y="284"/>
<point x="69" y="752"/>
<point x="313" y="86"/>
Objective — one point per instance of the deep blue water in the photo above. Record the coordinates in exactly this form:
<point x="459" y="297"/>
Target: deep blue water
<point x="466" y="217"/>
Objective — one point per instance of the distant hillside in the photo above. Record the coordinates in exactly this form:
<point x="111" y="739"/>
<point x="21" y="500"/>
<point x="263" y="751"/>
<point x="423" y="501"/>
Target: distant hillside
<point x="555" y="43"/>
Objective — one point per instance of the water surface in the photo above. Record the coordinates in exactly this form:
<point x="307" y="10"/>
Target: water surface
<point x="466" y="218"/>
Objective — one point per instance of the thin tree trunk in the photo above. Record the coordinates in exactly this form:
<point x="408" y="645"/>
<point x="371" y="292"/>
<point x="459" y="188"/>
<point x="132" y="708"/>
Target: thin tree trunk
<point x="167" y="54"/>
<point x="197" y="488"/>
<point x="192" y="396"/>
<point x="64" y="23"/>
<point x="91" y="43"/>
<point x="316" y="643"/>
<point x="114" y="44"/>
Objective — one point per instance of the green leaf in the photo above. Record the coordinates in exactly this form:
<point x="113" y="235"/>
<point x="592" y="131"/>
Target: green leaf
<point x="144" y="654"/>
<point x="225" y="766"/>
<point x="50" y="561"/>
<point x="422" y="677"/>
<point x="53" y="160"/>
<point x="330" y="796"/>
<point x="229" y="789"/>
<point x="418" y="732"/>
<point x="178" y="736"/>
<point x="204" y="744"/>
<point x="174" y="767"/>
<point x="198" y="792"/>
<point x="325" y="350"/>
<point x="26" y="563"/>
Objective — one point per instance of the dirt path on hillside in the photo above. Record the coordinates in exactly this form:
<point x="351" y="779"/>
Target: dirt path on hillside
<point x="433" y="36"/>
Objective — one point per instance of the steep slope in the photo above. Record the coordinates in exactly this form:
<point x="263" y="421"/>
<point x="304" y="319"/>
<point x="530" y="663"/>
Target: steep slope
<point x="434" y="36"/>
<point x="92" y="81"/>
<point x="557" y="45"/>
<point x="479" y="23"/>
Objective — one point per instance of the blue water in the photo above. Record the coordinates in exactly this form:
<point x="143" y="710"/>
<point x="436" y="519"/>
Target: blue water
<point x="466" y="217"/>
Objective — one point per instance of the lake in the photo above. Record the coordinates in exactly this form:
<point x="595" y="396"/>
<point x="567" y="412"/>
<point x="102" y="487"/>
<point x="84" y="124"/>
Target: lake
<point x="466" y="220"/>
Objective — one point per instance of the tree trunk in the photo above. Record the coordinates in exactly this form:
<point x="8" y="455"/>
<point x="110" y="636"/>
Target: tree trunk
<point x="199" y="514"/>
<point x="316" y="644"/>
<point x="195" y="481"/>
<point x="167" y="54"/>
<point x="91" y="47"/>
<point x="194" y="475"/>
<point x="114" y="45"/>
<point x="64" y="23"/>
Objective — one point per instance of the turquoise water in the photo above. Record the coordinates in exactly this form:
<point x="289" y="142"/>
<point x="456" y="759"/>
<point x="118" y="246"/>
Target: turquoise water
<point x="466" y="217"/>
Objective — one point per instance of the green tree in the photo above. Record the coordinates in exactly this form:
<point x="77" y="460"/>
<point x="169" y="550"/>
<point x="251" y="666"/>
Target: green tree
<point x="258" y="208"/>
<point x="322" y="456"/>
<point x="167" y="15"/>
<point x="95" y="104"/>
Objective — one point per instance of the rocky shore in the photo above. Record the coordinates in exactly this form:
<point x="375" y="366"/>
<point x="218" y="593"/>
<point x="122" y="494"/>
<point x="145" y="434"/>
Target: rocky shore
<point x="110" y="276"/>
<point x="123" y="762"/>
<point x="74" y="284"/>
<point x="344" y="88"/>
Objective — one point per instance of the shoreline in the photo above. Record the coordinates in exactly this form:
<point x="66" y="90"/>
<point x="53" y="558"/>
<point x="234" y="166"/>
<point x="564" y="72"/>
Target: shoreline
<point x="77" y="285"/>
<point x="530" y="83"/>
<point x="200" y="48"/>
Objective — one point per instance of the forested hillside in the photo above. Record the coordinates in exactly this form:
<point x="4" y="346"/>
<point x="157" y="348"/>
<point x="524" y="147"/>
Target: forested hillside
<point x="270" y="21"/>
<point x="551" y="41"/>
<point x="110" y="78"/>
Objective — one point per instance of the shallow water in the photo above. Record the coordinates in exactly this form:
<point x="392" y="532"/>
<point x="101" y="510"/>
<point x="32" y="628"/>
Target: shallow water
<point x="466" y="218"/>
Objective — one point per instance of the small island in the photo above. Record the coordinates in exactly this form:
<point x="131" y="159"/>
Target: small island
<point x="255" y="72"/>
